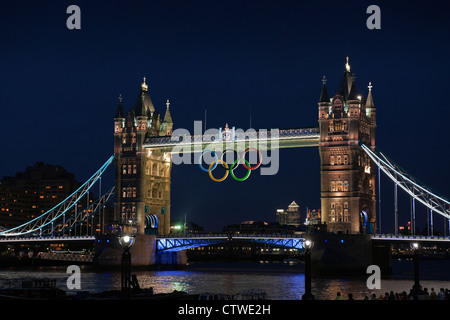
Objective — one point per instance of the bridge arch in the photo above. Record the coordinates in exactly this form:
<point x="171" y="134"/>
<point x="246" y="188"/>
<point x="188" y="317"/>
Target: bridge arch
<point x="151" y="224"/>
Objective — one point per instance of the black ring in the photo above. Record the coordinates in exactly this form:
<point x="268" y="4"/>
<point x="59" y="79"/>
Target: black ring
<point x="230" y="167"/>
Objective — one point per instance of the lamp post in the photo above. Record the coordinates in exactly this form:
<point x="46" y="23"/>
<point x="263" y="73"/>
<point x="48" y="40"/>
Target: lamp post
<point x="126" y="242"/>
<point x="416" y="286"/>
<point x="308" y="295"/>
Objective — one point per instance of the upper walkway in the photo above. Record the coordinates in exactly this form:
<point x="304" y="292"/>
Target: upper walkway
<point x="273" y="138"/>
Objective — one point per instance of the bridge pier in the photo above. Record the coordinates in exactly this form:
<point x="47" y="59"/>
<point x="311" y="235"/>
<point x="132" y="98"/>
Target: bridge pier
<point x="171" y="258"/>
<point x="108" y="253"/>
<point x="348" y="254"/>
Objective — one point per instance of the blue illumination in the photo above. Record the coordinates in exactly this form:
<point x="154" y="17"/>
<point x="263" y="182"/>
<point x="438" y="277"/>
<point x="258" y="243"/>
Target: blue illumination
<point x="342" y="241"/>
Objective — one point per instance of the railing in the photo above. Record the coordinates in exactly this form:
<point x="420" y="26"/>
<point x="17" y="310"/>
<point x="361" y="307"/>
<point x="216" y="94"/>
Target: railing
<point x="158" y="142"/>
<point x="391" y="237"/>
<point x="46" y="239"/>
<point x="182" y="242"/>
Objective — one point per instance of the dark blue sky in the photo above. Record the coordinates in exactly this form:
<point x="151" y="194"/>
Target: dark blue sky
<point x="59" y="87"/>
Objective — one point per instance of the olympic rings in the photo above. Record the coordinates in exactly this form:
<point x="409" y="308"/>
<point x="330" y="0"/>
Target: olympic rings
<point x="200" y="160"/>
<point x="230" y="169"/>
<point x="257" y="165"/>
<point x="236" y="157"/>
<point x="226" y="171"/>
<point x="248" y="170"/>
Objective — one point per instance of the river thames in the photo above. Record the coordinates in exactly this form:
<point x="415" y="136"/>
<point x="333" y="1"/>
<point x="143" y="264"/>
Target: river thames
<point x="280" y="280"/>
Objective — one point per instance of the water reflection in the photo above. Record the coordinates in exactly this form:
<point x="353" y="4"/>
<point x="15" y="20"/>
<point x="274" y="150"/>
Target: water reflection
<point x="280" y="281"/>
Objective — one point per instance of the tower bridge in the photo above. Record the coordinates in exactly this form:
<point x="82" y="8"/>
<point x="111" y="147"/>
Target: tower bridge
<point x="146" y="146"/>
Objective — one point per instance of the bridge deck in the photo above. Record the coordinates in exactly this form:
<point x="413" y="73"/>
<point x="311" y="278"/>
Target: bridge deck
<point x="173" y="243"/>
<point x="270" y="139"/>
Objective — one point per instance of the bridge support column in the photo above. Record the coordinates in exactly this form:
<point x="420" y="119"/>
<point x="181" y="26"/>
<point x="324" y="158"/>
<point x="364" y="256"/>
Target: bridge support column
<point x="341" y="253"/>
<point x="171" y="258"/>
<point x="108" y="253"/>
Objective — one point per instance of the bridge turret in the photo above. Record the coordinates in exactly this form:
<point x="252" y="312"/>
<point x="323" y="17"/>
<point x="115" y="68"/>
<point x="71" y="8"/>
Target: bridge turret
<point x="371" y="112"/>
<point x="142" y="177"/>
<point x="347" y="175"/>
<point x="166" y="126"/>
<point x="324" y="100"/>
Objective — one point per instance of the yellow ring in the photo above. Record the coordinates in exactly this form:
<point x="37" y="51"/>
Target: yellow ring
<point x="226" y="171"/>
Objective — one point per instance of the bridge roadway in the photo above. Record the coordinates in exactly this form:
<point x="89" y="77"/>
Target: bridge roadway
<point x="181" y="242"/>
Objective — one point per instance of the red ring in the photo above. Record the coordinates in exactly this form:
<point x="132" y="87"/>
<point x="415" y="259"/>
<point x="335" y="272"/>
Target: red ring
<point x="257" y="165"/>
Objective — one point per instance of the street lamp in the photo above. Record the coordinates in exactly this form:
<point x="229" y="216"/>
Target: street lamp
<point x="415" y="247"/>
<point x="126" y="241"/>
<point x="308" y="295"/>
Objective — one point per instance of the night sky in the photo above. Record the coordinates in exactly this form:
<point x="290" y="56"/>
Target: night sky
<point x="59" y="88"/>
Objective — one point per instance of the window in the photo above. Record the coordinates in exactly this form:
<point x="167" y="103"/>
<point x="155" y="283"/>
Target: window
<point x="124" y="169"/>
<point x="332" y="216"/>
<point x="134" y="168"/>
<point x="346" y="218"/>
<point x="332" y="160"/>
<point x="333" y="186"/>
<point x="338" y="126"/>
<point x="345" y="185"/>
<point x="339" y="160"/>
<point x="345" y="159"/>
<point x="339" y="213"/>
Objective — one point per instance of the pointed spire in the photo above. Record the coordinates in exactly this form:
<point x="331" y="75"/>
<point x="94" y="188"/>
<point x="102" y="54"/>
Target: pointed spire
<point x="120" y="113"/>
<point x="347" y="66"/>
<point x="324" y="94"/>
<point x="346" y="82"/>
<point x="167" y="116"/>
<point x="369" y="101"/>
<point x="353" y="95"/>
<point x="143" y="104"/>
<point x="144" y="85"/>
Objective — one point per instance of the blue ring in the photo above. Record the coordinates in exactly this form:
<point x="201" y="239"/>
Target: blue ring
<point x="200" y="160"/>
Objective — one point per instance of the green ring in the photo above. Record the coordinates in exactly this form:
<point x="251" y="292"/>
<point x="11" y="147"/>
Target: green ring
<point x="248" y="170"/>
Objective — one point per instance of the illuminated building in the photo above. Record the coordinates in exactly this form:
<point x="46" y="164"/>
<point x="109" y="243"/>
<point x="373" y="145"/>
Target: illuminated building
<point x="142" y="193"/>
<point x="29" y="194"/>
<point x="347" y="173"/>
<point x="289" y="217"/>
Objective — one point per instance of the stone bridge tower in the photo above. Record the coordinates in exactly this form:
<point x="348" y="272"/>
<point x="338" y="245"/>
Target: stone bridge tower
<point x="348" y="199"/>
<point x="142" y="194"/>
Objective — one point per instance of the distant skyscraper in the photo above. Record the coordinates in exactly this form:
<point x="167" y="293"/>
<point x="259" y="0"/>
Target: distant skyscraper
<point x="313" y="217"/>
<point x="289" y="217"/>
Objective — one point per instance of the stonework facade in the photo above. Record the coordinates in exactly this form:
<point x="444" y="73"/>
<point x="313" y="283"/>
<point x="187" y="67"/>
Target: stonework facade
<point x="142" y="176"/>
<point x="348" y="199"/>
